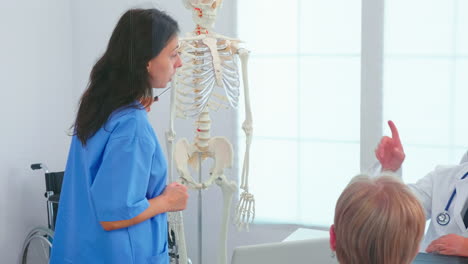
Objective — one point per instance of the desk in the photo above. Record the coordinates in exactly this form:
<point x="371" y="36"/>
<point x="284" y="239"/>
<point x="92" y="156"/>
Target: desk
<point x="421" y="258"/>
<point x="425" y="258"/>
<point x="306" y="233"/>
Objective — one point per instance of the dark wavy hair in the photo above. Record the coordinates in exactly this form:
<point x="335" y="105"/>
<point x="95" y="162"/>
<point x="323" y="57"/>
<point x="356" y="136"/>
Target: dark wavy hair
<point x="120" y="76"/>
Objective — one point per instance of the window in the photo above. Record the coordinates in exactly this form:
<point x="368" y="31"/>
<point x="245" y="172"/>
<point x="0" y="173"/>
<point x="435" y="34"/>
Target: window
<point x="426" y="80"/>
<point x="304" y="84"/>
<point x="320" y="105"/>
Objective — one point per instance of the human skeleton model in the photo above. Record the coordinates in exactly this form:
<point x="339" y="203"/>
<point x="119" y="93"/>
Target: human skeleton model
<point x="209" y="65"/>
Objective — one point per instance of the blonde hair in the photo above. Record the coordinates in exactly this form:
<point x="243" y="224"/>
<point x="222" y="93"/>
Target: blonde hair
<point x="378" y="220"/>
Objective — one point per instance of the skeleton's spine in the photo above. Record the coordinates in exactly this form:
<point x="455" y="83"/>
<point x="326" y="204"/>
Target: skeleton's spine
<point x="202" y="134"/>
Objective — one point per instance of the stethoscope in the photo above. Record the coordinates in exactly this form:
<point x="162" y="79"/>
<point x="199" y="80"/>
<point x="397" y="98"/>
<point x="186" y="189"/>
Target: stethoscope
<point x="444" y="218"/>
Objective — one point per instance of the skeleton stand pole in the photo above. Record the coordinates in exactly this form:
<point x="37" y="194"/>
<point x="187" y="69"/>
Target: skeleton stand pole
<point x="200" y="217"/>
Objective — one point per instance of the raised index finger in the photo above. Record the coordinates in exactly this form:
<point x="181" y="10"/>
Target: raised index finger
<point x="394" y="130"/>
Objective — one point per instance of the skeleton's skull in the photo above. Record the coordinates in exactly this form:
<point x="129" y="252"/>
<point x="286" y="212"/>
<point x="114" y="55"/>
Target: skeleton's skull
<point x="203" y="11"/>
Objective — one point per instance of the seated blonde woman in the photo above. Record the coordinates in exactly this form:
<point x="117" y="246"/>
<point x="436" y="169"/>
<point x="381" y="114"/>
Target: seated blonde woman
<point x="377" y="220"/>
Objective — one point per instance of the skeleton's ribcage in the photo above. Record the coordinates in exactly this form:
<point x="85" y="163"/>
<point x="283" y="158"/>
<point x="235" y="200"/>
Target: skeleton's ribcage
<point x="201" y="83"/>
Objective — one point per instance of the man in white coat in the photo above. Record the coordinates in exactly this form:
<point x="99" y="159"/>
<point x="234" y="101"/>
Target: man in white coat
<point x="443" y="194"/>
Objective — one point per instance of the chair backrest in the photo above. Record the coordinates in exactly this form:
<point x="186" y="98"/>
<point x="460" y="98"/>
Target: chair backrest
<point x="302" y="251"/>
<point x="54" y="181"/>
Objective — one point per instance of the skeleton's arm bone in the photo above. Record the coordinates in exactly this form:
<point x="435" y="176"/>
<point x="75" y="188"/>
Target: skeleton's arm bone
<point x="245" y="211"/>
<point x="247" y="126"/>
<point x="170" y="134"/>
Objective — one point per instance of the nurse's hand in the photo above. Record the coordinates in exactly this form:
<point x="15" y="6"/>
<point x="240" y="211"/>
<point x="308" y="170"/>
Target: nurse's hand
<point x="449" y="245"/>
<point x="390" y="151"/>
<point x="176" y="197"/>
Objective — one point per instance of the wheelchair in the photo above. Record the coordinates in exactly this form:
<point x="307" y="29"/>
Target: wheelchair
<point x="41" y="238"/>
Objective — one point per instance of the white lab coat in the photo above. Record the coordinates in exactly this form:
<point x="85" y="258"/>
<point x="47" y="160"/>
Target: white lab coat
<point x="434" y="191"/>
<point x="464" y="158"/>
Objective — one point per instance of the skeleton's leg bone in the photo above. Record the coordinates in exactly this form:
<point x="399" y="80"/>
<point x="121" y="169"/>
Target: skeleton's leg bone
<point x="228" y="188"/>
<point x="174" y="218"/>
<point x="176" y="223"/>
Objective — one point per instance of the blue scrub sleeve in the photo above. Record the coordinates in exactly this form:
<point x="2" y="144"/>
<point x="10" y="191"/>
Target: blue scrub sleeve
<point x="119" y="188"/>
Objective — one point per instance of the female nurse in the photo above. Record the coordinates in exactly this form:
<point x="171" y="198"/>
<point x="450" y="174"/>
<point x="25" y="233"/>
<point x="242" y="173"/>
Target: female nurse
<point x="114" y="196"/>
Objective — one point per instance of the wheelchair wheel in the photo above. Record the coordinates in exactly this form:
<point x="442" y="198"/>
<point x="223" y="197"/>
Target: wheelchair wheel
<point x="37" y="246"/>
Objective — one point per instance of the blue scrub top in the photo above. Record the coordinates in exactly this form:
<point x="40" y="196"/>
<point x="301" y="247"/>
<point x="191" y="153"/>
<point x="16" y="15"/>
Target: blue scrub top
<point x="111" y="179"/>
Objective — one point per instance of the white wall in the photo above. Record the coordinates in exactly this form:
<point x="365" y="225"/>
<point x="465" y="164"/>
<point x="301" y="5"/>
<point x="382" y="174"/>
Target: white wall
<point x="35" y="110"/>
<point x="47" y="52"/>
